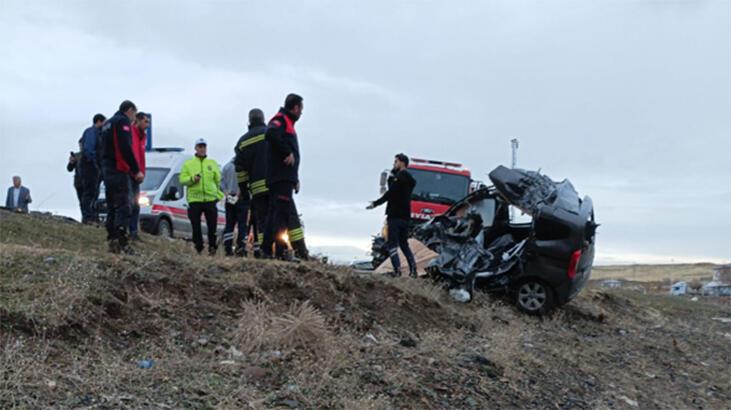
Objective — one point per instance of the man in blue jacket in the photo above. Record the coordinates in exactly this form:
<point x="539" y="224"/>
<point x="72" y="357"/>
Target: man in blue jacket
<point x="18" y="197"/>
<point x="89" y="168"/>
<point x="282" y="172"/>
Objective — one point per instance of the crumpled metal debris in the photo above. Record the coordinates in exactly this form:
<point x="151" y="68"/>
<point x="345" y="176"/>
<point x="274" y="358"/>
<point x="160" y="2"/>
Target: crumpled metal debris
<point x="463" y="256"/>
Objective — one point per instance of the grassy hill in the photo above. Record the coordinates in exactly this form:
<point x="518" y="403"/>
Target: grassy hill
<point x="76" y="322"/>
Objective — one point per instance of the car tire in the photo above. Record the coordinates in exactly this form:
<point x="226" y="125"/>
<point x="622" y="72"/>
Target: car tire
<point x="534" y="297"/>
<point x="164" y="228"/>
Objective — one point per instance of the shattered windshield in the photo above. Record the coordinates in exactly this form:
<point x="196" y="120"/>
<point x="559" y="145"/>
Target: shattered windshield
<point x="439" y="187"/>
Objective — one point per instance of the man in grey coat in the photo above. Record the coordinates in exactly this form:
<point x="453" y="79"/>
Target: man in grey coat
<point x="18" y="197"/>
<point x="237" y="211"/>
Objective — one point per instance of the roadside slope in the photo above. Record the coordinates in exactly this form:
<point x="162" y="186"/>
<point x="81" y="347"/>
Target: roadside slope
<point x="75" y="323"/>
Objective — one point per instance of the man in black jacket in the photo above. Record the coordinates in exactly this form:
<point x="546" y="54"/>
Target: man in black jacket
<point x="251" y="173"/>
<point x="398" y="211"/>
<point x="119" y="166"/>
<point x="282" y="174"/>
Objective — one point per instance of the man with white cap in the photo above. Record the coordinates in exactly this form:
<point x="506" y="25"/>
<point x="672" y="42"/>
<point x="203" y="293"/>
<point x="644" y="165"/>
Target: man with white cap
<point x="202" y="176"/>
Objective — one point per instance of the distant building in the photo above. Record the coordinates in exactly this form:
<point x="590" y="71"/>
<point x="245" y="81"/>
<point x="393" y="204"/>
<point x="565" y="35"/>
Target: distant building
<point x="721" y="283"/>
<point x="679" y="288"/>
<point x="611" y="283"/>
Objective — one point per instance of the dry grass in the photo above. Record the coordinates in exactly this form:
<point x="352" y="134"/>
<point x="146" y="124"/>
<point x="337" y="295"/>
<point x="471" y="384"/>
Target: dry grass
<point x="322" y="337"/>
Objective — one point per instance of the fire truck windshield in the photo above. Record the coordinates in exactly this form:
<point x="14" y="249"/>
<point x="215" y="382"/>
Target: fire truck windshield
<point x="439" y="187"/>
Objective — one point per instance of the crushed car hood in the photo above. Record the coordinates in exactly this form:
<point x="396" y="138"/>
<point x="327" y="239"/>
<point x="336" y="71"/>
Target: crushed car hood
<point x="529" y="190"/>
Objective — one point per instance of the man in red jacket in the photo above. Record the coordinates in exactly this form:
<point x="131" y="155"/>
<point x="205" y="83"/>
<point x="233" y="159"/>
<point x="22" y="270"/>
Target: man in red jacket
<point x="139" y="142"/>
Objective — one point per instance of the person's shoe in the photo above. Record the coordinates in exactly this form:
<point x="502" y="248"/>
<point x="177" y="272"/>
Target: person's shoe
<point x="114" y="246"/>
<point x="134" y="237"/>
<point x="241" y="252"/>
<point x="229" y="252"/>
<point x="412" y="273"/>
<point x="394" y="274"/>
<point x="198" y="251"/>
<point x="212" y="251"/>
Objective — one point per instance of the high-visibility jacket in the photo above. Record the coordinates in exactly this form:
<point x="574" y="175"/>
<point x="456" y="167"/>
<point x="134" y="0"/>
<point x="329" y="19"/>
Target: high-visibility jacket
<point x="251" y="160"/>
<point x="208" y="189"/>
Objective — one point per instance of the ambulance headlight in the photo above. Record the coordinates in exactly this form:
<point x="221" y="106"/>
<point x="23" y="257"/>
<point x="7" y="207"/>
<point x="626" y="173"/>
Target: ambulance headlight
<point x="144" y="200"/>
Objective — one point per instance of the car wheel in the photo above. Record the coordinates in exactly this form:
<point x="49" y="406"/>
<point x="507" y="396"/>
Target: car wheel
<point x="534" y="297"/>
<point x="164" y="228"/>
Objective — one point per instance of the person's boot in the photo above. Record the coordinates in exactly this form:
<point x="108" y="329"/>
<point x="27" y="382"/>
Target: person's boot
<point x="113" y="245"/>
<point x="212" y="251"/>
<point x="412" y="272"/>
<point x="241" y="252"/>
<point x="135" y="237"/>
<point x="124" y="245"/>
<point x="228" y="251"/>
<point x="394" y="274"/>
<point x="300" y="250"/>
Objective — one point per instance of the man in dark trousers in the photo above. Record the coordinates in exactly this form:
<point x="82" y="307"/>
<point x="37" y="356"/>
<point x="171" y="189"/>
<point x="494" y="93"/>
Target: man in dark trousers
<point x="251" y="172"/>
<point x="119" y="169"/>
<point x="282" y="174"/>
<point x="74" y="166"/>
<point x="398" y="213"/>
<point x="89" y="169"/>
<point x="237" y="211"/>
<point x="139" y="142"/>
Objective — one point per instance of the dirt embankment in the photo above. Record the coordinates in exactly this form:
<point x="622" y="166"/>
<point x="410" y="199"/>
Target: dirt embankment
<point x="77" y="324"/>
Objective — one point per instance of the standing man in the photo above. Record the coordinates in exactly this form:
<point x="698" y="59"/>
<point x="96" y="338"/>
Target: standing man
<point x="203" y="178"/>
<point x="237" y="210"/>
<point x="282" y="172"/>
<point x="119" y="169"/>
<point x="18" y="197"/>
<point x="90" y="169"/>
<point x="251" y="172"/>
<point x="74" y="165"/>
<point x="398" y="212"/>
<point x="139" y="142"/>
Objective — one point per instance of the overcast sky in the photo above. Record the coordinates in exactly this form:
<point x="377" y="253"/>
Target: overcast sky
<point x="630" y="100"/>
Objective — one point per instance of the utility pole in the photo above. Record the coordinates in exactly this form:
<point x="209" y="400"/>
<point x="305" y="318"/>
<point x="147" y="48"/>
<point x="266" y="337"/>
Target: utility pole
<point x="514" y="149"/>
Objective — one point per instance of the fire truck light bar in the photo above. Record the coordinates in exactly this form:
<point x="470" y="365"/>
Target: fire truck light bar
<point x="432" y="162"/>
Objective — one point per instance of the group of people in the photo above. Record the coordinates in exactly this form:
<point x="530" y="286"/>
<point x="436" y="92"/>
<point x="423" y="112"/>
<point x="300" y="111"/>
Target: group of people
<point x="257" y="184"/>
<point x="108" y="151"/>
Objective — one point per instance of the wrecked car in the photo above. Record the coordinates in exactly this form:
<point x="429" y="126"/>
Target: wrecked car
<point x="542" y="263"/>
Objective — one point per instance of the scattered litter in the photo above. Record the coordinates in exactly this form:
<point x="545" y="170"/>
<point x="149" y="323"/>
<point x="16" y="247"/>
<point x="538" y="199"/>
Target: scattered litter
<point x="51" y="384"/>
<point x="146" y="364"/>
<point x="234" y="352"/>
<point x="339" y="307"/>
<point x="292" y="404"/>
<point x="629" y="401"/>
<point x="276" y="354"/>
<point x="371" y="338"/>
<point x="460" y="295"/>
<point x="227" y="362"/>
<point x="203" y="341"/>
<point x="694" y="299"/>
<point x="722" y="319"/>
<point x="49" y="259"/>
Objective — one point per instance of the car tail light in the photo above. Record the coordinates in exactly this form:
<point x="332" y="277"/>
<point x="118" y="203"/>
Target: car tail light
<point x="574" y="263"/>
